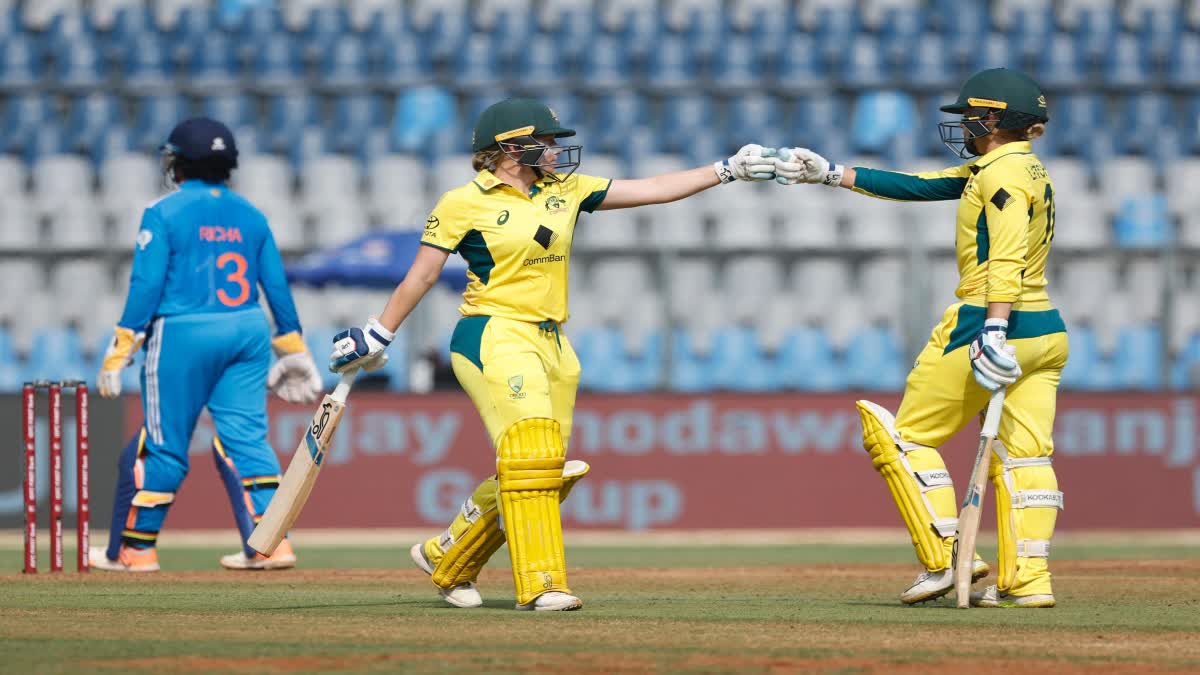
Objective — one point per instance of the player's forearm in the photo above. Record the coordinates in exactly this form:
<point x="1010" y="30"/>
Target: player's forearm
<point x="668" y="187"/>
<point x="902" y="186"/>
<point x="999" y="310"/>
<point x="405" y="298"/>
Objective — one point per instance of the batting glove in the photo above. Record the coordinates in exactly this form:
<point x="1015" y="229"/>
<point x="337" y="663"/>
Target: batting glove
<point x="361" y="348"/>
<point x="993" y="361"/>
<point x="801" y="165"/>
<point x="118" y="355"/>
<point x="752" y="163"/>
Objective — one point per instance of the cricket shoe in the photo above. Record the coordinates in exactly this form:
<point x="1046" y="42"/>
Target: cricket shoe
<point x="552" y="601"/>
<point x="464" y="595"/>
<point x="933" y="585"/>
<point x="128" y="560"/>
<point x="992" y="597"/>
<point x="283" y="558"/>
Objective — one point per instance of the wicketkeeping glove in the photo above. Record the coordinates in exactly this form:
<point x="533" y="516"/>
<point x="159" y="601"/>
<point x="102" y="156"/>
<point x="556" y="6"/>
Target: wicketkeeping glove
<point x="752" y="163"/>
<point x="294" y="376"/>
<point x="119" y="354"/>
<point x="993" y="361"/>
<point x="361" y="348"/>
<point x="801" y="165"/>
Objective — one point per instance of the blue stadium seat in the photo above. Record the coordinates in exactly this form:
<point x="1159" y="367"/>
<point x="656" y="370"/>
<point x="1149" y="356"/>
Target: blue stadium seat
<point x="1125" y="64"/>
<point x="1077" y="117"/>
<point x="617" y="116"/>
<point x="799" y="70"/>
<point x="640" y="33"/>
<point x="79" y="64"/>
<point x="1142" y="119"/>
<point x="235" y="110"/>
<point x="1143" y="222"/>
<point x="685" y="118"/>
<point x="344" y="65"/>
<point x="1159" y="31"/>
<point x="1139" y="358"/>
<point x="45" y="139"/>
<point x="1095" y="32"/>
<point x="863" y="65"/>
<point x="11" y="371"/>
<point x="287" y="116"/>
<point x="254" y="23"/>
<point x="446" y="35"/>
<point x="739" y="363"/>
<point x="512" y="31"/>
<point x="154" y="117"/>
<point x="756" y="118"/>
<point x="1185" y="371"/>
<point x="1059" y="64"/>
<point x="929" y="69"/>
<point x="673" y="68"/>
<point x="115" y="140"/>
<point x="420" y="115"/>
<point x="770" y="31"/>
<point x="21" y="62"/>
<point x="879" y="118"/>
<point x="806" y="362"/>
<point x="146" y="64"/>
<point x="539" y="66"/>
<point x="130" y="23"/>
<point x="57" y="355"/>
<point x="574" y="34"/>
<point x="89" y="117"/>
<point x="276" y="65"/>
<point x="194" y="22"/>
<point x="608" y="366"/>
<point x="1190" y="133"/>
<point x="1031" y="29"/>
<point x="10" y="20"/>
<point x="706" y="29"/>
<point x="736" y="66"/>
<point x="900" y="29"/>
<point x="690" y="371"/>
<point x="818" y="123"/>
<point x="21" y="117"/>
<point x="213" y="63"/>
<point x="1087" y="369"/>
<point x="875" y="360"/>
<point x="387" y="25"/>
<point x="327" y="25"/>
<point x="402" y="63"/>
<point x="1181" y="64"/>
<point x="476" y="65"/>
<point x="607" y="66"/>
<point x="835" y="30"/>
<point x="354" y="117"/>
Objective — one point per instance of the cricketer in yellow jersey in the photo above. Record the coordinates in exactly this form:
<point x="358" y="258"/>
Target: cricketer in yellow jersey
<point x="514" y="224"/>
<point x="1005" y="225"/>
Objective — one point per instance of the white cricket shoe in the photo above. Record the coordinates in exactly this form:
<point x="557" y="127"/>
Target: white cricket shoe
<point x="128" y="560"/>
<point x="283" y="558"/>
<point x="464" y="595"/>
<point x="933" y="585"/>
<point x="553" y="601"/>
<point x="992" y="597"/>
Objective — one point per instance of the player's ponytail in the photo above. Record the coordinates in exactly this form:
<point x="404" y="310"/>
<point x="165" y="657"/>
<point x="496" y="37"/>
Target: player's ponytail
<point x="486" y="159"/>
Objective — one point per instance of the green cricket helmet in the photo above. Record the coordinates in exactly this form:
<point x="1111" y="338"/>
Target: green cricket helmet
<point x="1015" y="98"/>
<point x="511" y="126"/>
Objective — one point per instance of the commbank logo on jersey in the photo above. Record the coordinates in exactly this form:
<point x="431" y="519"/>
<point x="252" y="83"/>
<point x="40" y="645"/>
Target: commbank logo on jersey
<point x="555" y="204"/>
<point x="545" y="236"/>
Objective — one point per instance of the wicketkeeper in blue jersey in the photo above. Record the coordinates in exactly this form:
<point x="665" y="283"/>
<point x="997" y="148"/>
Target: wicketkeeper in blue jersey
<point x="201" y="254"/>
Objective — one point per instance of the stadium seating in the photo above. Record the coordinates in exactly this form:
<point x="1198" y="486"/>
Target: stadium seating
<point x="353" y="115"/>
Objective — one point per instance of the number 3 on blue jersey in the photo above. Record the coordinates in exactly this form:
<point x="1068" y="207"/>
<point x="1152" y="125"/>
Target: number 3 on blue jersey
<point x="234" y="265"/>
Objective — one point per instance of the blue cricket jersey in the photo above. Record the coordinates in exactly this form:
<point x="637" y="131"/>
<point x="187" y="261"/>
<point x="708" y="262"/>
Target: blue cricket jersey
<point x="205" y="249"/>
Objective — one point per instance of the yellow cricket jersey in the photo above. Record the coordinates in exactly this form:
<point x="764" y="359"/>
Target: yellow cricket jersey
<point x="1005" y="221"/>
<point x="517" y="246"/>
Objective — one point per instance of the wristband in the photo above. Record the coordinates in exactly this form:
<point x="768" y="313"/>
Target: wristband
<point x="833" y="175"/>
<point x="724" y="172"/>
<point x="379" y="333"/>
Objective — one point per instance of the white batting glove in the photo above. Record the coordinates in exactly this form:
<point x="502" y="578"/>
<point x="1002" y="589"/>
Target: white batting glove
<point x="752" y="163"/>
<point x="295" y="378"/>
<point x="361" y="348"/>
<point x="801" y="165"/>
<point x="993" y="360"/>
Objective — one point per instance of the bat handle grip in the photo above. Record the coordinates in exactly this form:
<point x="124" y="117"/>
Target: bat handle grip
<point x="991" y="419"/>
<point x="342" y="390"/>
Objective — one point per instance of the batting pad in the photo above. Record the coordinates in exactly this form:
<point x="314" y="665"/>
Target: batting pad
<point x="1027" y="505"/>
<point x="529" y="466"/>
<point x="917" y="477"/>
<point x="459" y="553"/>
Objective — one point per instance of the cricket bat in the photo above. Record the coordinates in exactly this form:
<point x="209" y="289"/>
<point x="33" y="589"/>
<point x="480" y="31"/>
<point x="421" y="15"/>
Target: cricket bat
<point x="972" y="506"/>
<point x="302" y="472"/>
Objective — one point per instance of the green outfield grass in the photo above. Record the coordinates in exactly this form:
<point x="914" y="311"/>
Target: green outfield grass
<point x="824" y="608"/>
